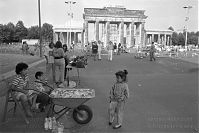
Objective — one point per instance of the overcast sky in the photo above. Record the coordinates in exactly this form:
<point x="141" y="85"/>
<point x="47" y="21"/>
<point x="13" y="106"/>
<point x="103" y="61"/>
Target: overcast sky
<point x="161" y="13"/>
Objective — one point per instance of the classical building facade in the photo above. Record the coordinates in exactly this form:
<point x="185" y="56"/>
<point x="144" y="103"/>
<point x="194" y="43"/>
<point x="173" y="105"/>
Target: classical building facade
<point x="72" y="32"/>
<point x="159" y="36"/>
<point x="115" y="24"/>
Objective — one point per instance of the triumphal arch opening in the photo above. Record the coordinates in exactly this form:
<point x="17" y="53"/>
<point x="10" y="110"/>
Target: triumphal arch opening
<point x="116" y="24"/>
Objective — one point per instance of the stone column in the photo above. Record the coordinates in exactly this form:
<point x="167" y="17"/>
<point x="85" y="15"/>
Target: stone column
<point x="86" y="31"/>
<point x="127" y="34"/>
<point x="145" y="39"/>
<point x="107" y="32"/>
<point x="58" y="36"/>
<point x="132" y="40"/>
<point x="152" y="38"/>
<point x="168" y="42"/>
<point x="66" y="38"/>
<point x="75" y="37"/>
<point x="142" y="33"/>
<point x="158" y="38"/>
<point x="97" y="30"/>
<point x="162" y="39"/>
<point x="55" y="38"/>
<point x="148" y="39"/>
<point x="122" y="33"/>
<point x="61" y="37"/>
<point x="82" y="38"/>
<point x="104" y="34"/>
<point x="69" y="39"/>
<point x="165" y="39"/>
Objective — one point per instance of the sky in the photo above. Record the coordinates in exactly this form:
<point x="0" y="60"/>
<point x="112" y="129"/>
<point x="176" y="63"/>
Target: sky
<point x="161" y="13"/>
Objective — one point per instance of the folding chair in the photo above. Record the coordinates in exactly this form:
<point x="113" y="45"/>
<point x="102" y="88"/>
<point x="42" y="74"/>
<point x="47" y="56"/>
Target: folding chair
<point x="11" y="99"/>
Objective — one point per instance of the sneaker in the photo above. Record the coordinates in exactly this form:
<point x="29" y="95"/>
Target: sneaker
<point x="117" y="126"/>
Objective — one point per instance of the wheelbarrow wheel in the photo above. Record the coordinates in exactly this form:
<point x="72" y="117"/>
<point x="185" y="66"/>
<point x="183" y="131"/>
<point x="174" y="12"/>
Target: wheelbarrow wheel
<point x="82" y="114"/>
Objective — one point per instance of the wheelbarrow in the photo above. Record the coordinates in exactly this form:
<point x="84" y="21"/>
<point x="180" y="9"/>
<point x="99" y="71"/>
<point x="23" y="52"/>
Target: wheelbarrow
<point x="64" y="100"/>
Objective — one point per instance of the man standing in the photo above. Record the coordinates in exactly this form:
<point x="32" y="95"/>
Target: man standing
<point x="152" y="52"/>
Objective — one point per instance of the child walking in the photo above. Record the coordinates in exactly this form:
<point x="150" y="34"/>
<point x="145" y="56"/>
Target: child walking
<point x="119" y="94"/>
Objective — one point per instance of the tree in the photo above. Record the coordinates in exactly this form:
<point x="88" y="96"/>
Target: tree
<point x="171" y="28"/>
<point x="181" y="38"/>
<point x="192" y="38"/>
<point x="21" y="31"/>
<point x="11" y="30"/>
<point x="47" y="32"/>
<point x="4" y="34"/>
<point x="33" y="32"/>
<point x="197" y="33"/>
<point x="7" y="32"/>
<point x="175" y="38"/>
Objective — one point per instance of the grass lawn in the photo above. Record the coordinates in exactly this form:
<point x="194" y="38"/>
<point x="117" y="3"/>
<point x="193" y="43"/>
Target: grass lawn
<point x="9" y="61"/>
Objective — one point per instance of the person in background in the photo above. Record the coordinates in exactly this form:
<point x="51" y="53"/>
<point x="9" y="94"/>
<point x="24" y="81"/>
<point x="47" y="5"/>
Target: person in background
<point x="20" y="83"/>
<point x="99" y="50"/>
<point x="59" y="63"/>
<point x="25" y="48"/>
<point x="152" y="52"/>
<point x="94" y="50"/>
<point x="119" y="49"/>
<point x="115" y="48"/>
<point x="66" y="58"/>
<point x="110" y="51"/>
<point x="119" y="94"/>
<point x="48" y="54"/>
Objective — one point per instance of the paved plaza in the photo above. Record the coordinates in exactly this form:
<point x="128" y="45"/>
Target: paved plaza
<point x="163" y="97"/>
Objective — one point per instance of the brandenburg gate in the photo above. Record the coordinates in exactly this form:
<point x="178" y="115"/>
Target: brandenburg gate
<point x="118" y="25"/>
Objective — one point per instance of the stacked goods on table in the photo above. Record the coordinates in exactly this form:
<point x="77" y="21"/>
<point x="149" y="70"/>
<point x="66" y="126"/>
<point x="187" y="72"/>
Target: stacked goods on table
<point x="72" y="93"/>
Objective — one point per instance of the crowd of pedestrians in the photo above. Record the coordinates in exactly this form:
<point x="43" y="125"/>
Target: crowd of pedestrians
<point x="95" y="48"/>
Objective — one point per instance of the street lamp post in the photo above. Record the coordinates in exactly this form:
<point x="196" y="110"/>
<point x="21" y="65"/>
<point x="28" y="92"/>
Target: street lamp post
<point x="71" y="16"/>
<point x="186" y="20"/>
<point x="40" y="42"/>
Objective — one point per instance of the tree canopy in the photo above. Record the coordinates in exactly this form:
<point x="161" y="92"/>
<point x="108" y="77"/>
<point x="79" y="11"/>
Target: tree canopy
<point x="15" y="33"/>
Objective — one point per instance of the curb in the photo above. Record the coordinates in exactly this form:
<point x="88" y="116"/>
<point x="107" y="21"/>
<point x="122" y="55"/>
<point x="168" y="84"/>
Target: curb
<point x="12" y="73"/>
